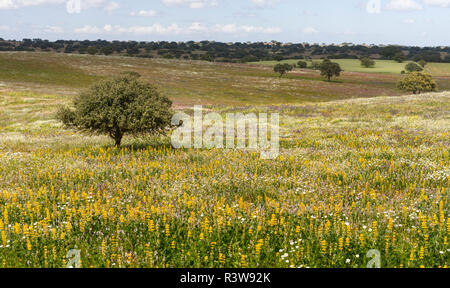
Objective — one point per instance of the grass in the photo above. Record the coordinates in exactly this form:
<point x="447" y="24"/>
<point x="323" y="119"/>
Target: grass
<point x="381" y="66"/>
<point x="190" y="82"/>
<point x="354" y="174"/>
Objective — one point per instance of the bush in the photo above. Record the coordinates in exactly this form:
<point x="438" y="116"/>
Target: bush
<point x="367" y="62"/>
<point x="92" y="50"/>
<point x="413" y="67"/>
<point x="399" y="57"/>
<point x="124" y="105"/>
<point x="422" y="63"/>
<point x="278" y="58"/>
<point x="417" y="83"/>
<point x="107" y="50"/>
<point x="302" y="64"/>
<point x="282" y="68"/>
<point x="315" y="65"/>
<point x="330" y="69"/>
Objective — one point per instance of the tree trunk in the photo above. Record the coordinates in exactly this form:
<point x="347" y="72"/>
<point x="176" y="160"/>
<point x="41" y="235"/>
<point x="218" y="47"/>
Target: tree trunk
<point x="117" y="136"/>
<point x="118" y="140"/>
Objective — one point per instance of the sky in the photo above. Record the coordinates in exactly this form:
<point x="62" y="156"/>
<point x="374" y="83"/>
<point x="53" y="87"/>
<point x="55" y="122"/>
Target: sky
<point x="404" y="22"/>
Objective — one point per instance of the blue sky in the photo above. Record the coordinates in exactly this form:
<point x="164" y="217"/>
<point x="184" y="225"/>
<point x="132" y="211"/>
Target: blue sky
<point x="408" y="22"/>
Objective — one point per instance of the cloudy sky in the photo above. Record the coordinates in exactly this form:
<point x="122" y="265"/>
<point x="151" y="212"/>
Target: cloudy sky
<point x="409" y="22"/>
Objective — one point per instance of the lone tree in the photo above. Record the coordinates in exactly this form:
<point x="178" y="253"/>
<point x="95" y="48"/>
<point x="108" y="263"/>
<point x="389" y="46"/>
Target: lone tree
<point x="315" y="65"/>
<point x="399" y="57"/>
<point x="107" y="50"/>
<point x="123" y="105"/>
<point x="282" y="68"/>
<point x="92" y="50"/>
<point x="422" y="63"/>
<point x="302" y="64"/>
<point x="413" y="67"/>
<point x="417" y="82"/>
<point x="329" y="69"/>
<point x="367" y="62"/>
<point x="278" y="58"/>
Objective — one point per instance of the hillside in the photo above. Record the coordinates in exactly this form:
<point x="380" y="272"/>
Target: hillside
<point x="357" y="171"/>
<point x="189" y="82"/>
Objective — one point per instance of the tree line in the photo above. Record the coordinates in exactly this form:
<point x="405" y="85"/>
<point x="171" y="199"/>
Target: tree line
<point x="236" y="52"/>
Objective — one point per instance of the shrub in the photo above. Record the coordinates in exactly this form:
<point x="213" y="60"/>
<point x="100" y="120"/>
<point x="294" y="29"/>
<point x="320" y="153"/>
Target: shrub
<point x="330" y="69"/>
<point x="413" y="67"/>
<point x="92" y="50"/>
<point x="399" y="57"/>
<point x="315" y="65"/>
<point x="278" y="58"/>
<point x="107" y="50"/>
<point x="282" y="68"/>
<point x="417" y="83"/>
<point x="422" y="63"/>
<point x="367" y="62"/>
<point x="123" y="105"/>
<point x="302" y="64"/>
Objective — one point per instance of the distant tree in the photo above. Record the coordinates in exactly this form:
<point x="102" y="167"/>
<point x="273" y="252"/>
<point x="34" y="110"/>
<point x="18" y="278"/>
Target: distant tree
<point x="92" y="50"/>
<point x="132" y="74"/>
<point x="206" y="57"/>
<point x="302" y="64"/>
<point x="417" y="82"/>
<point x="422" y="63"/>
<point x="107" y="50"/>
<point x="399" y="57"/>
<point x="330" y="69"/>
<point x="315" y="65"/>
<point x="282" y="68"/>
<point x="390" y="51"/>
<point x="413" y="67"/>
<point x="123" y="105"/>
<point x="367" y="62"/>
<point x="278" y="58"/>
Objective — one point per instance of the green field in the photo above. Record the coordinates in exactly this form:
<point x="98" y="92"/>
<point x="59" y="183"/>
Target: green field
<point x="381" y="66"/>
<point x="362" y="166"/>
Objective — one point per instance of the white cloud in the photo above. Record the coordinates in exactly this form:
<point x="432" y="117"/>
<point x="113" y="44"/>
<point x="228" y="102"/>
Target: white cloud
<point x="310" y="30"/>
<point x="265" y="3"/>
<point x="53" y="29"/>
<point x="145" y="13"/>
<point x="194" y="4"/>
<point x="85" y="4"/>
<point x="111" y="6"/>
<point x="409" y="21"/>
<point x="404" y="5"/>
<point x="441" y="3"/>
<point x="15" y="4"/>
<point x="87" y="29"/>
<point x="175" y="29"/>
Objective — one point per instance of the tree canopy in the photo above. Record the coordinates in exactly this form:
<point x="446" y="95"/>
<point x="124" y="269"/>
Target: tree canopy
<point x="282" y="68"/>
<point x="367" y="62"/>
<point x="120" y="106"/>
<point x="417" y="82"/>
<point x="413" y="67"/>
<point x="330" y="69"/>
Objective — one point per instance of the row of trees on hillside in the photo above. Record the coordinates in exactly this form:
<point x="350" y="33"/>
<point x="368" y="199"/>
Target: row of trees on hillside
<point x="230" y="52"/>
<point x="327" y="68"/>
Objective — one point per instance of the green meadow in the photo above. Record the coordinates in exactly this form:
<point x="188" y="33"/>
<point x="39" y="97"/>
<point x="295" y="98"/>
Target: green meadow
<point x="381" y="66"/>
<point x="362" y="166"/>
